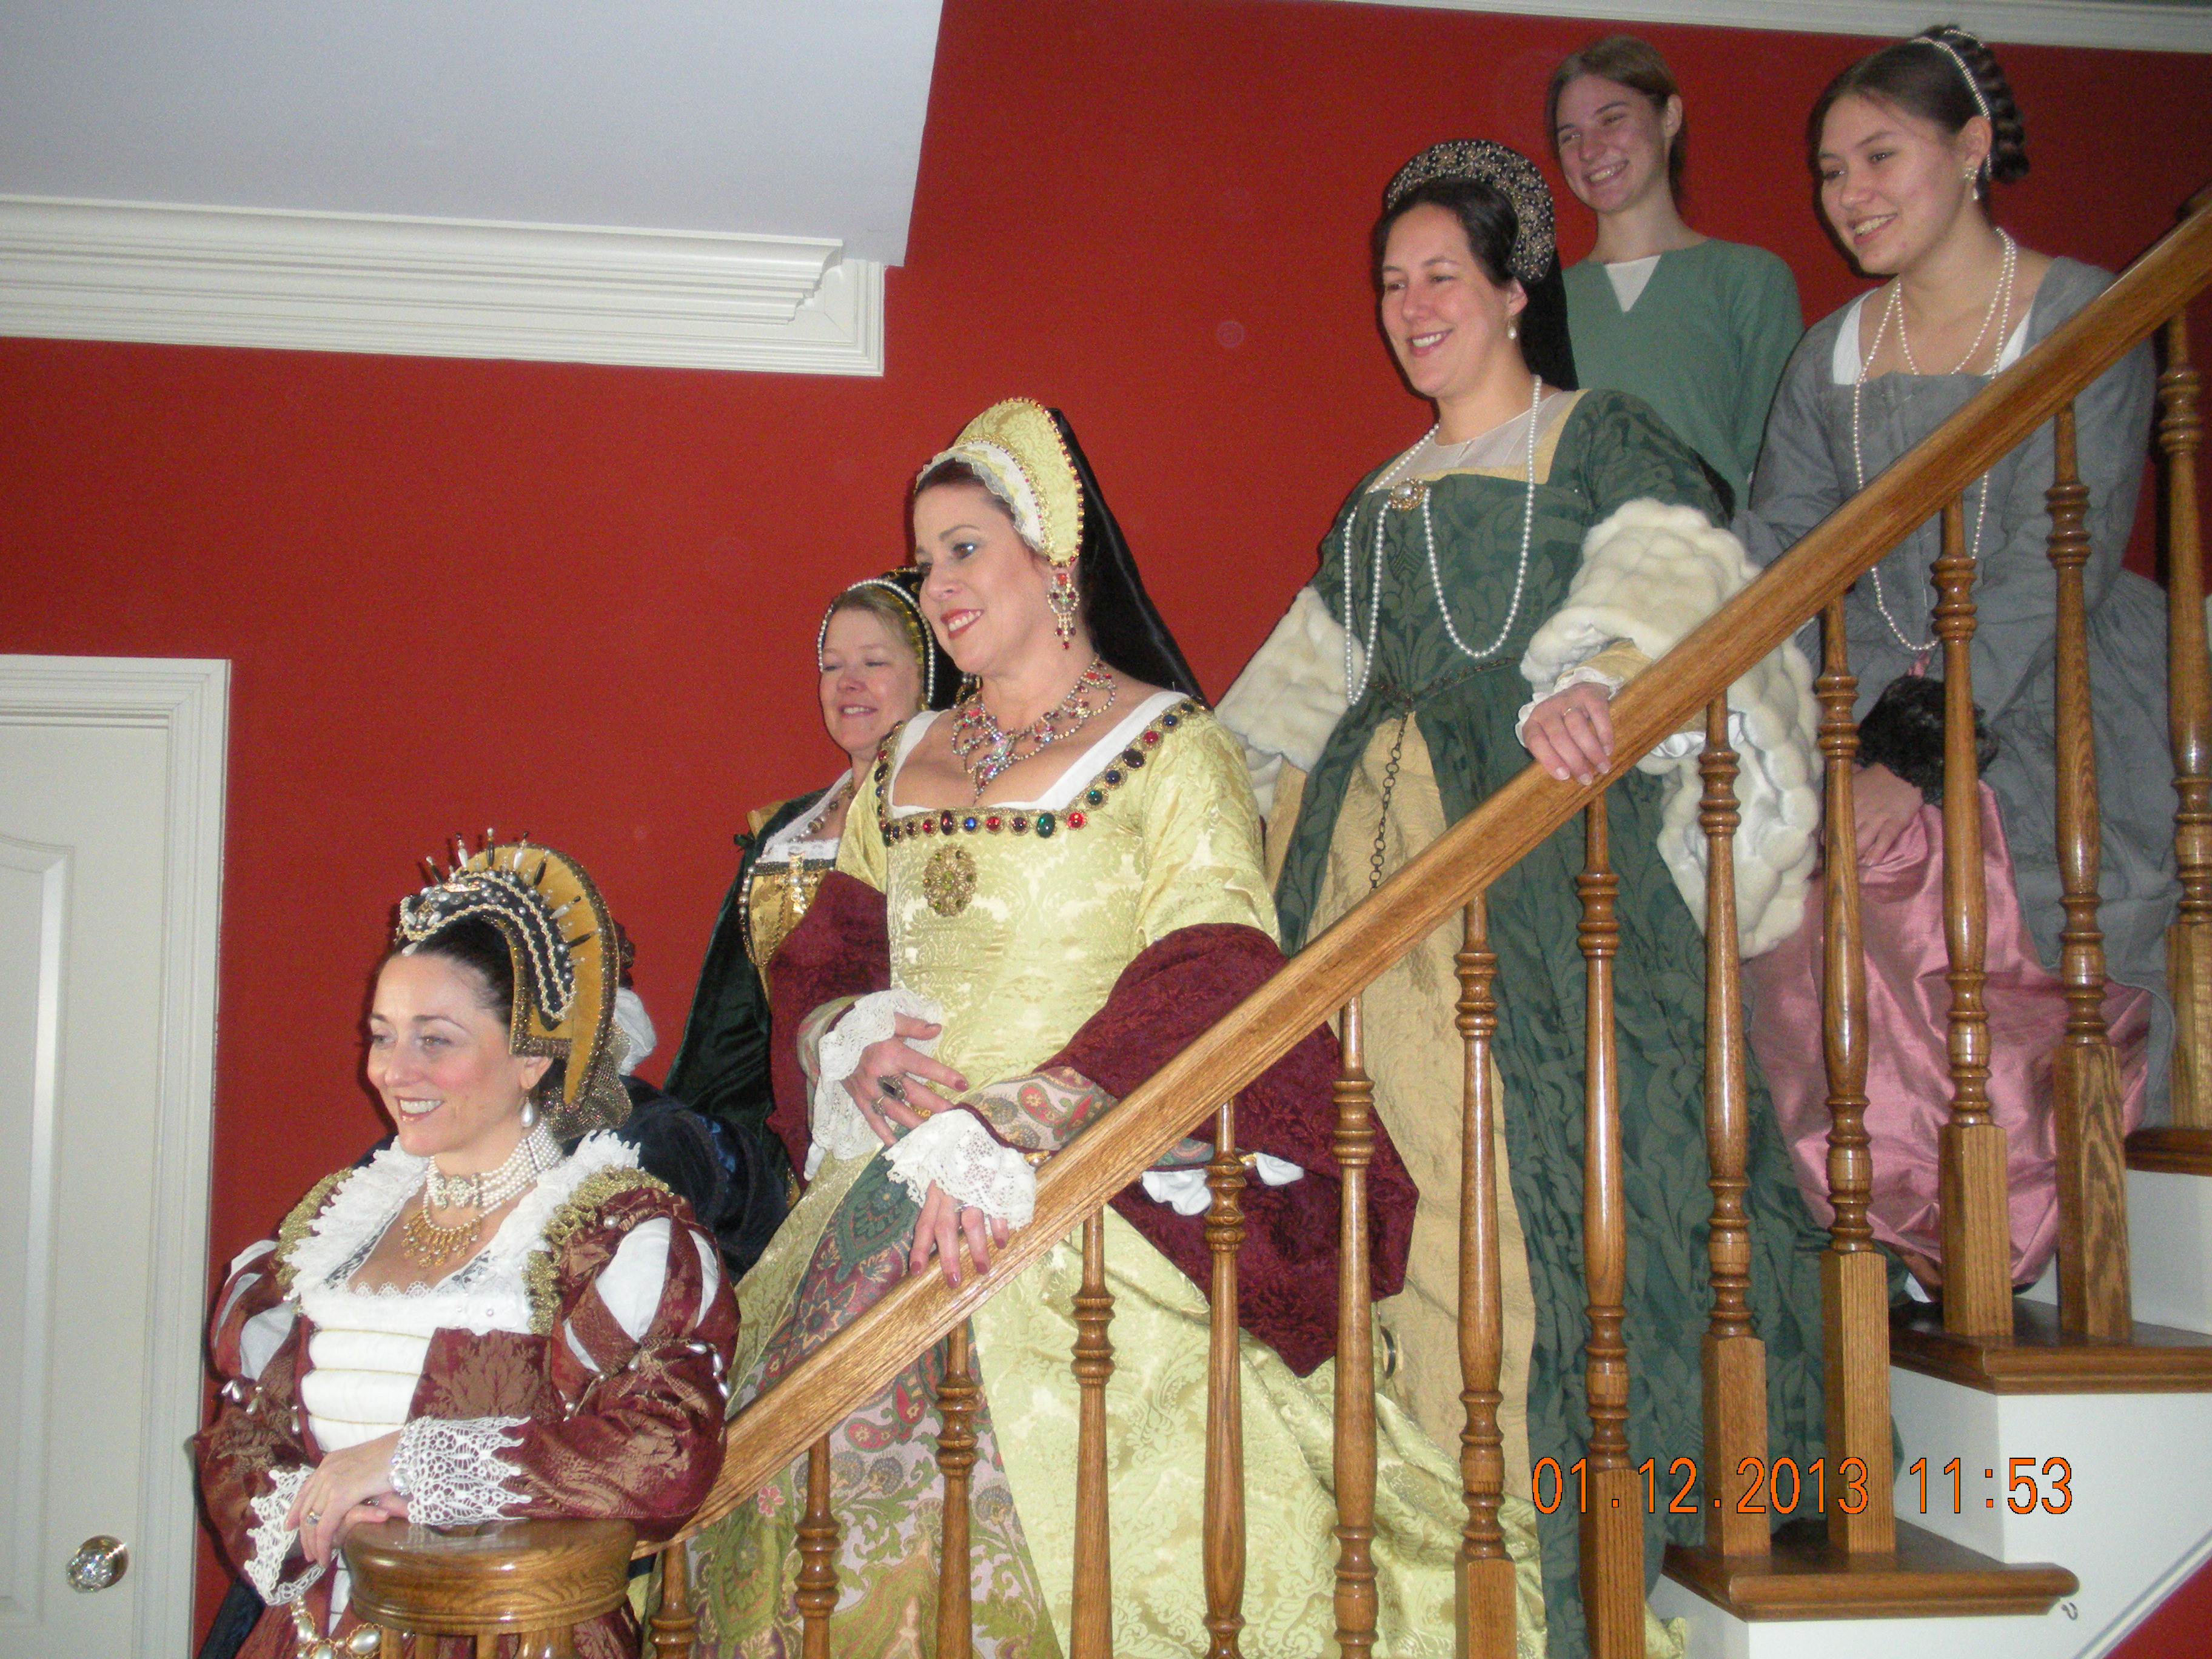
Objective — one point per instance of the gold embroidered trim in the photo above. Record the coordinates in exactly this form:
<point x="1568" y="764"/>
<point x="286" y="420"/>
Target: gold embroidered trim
<point x="593" y="1192"/>
<point x="293" y="1232"/>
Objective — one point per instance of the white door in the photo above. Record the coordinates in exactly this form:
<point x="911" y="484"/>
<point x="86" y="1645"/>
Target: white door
<point x="111" y="823"/>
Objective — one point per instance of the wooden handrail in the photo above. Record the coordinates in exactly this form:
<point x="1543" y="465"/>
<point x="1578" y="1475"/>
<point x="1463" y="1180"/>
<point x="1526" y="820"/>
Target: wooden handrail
<point x="832" y="1382"/>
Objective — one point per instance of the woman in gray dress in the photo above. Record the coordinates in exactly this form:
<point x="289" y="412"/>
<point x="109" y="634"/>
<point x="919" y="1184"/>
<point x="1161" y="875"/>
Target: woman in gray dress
<point x="1908" y="142"/>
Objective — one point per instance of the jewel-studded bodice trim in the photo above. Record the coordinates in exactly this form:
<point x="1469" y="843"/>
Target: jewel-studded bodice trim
<point x="1028" y="821"/>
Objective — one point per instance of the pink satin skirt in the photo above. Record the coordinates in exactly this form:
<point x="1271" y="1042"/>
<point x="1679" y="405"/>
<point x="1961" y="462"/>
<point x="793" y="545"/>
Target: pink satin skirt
<point x="1908" y="1064"/>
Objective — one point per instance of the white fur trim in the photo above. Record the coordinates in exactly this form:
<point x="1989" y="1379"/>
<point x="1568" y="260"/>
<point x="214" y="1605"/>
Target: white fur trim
<point x="1290" y="695"/>
<point x="1650" y="573"/>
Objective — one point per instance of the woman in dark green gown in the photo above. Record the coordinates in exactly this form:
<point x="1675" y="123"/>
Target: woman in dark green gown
<point x="1450" y="568"/>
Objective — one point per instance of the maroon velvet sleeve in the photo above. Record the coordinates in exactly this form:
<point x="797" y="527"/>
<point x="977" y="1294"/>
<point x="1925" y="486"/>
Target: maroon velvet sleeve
<point x="1286" y="1271"/>
<point x="840" y="948"/>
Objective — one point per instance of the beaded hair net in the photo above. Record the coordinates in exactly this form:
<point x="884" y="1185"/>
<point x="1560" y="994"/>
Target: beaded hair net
<point x="1017" y="451"/>
<point x="900" y="586"/>
<point x="561" y="941"/>
<point x="1507" y="171"/>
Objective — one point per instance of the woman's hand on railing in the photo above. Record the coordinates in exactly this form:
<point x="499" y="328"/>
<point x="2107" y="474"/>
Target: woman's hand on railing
<point x="338" y="1493"/>
<point x="1882" y="803"/>
<point x="944" y="1223"/>
<point x="1570" y="733"/>
<point x="890" y="1084"/>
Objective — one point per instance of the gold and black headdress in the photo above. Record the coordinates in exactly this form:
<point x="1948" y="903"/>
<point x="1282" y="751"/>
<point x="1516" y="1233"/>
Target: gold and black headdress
<point x="562" y="945"/>
<point x="1505" y="170"/>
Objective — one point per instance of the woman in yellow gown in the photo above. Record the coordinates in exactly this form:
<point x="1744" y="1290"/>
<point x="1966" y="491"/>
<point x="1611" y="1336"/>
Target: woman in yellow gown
<point x="1042" y="895"/>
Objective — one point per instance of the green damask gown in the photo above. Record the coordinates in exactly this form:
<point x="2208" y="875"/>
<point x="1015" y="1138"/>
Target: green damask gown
<point x="1606" y="449"/>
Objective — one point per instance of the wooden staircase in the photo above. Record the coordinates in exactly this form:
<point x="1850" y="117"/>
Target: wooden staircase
<point x="1988" y="1379"/>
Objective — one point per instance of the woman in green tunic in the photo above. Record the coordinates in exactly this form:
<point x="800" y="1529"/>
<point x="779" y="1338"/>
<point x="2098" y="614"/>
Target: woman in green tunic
<point x="1696" y="327"/>
<point x="1385" y="705"/>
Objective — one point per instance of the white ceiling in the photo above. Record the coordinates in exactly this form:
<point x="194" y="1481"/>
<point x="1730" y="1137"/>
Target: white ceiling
<point x="760" y="116"/>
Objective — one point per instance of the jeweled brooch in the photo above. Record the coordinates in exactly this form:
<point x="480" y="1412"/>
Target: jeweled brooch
<point x="948" y="880"/>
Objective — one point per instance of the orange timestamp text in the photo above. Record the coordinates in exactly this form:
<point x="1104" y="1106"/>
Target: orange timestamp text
<point x="1781" y="1486"/>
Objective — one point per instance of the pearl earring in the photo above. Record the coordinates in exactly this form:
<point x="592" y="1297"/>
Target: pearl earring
<point x="1512" y="329"/>
<point x="529" y="1114"/>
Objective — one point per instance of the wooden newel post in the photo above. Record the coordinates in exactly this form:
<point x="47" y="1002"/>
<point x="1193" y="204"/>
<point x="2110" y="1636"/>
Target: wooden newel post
<point x="1612" y="1535"/>
<point x="1977" y="1231"/>
<point x="2189" y="708"/>
<point x="1735" y="1359"/>
<point x="1223" y="1524"/>
<point x="1853" y="1283"/>
<point x="1354" y="1145"/>
<point x="1483" y="1598"/>
<point x="2092" y="1231"/>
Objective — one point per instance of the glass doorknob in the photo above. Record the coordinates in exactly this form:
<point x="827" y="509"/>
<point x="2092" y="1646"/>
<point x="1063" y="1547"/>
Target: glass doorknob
<point x="98" y="1563"/>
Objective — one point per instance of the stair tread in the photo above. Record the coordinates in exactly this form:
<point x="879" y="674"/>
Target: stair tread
<point x="1926" y="1577"/>
<point x="2038" y="1357"/>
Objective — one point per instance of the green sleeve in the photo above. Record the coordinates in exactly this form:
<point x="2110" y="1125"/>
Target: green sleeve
<point x="1625" y="452"/>
<point x="1770" y="322"/>
<point x="721" y="1064"/>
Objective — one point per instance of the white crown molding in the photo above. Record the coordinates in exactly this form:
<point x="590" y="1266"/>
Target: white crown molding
<point x="449" y="288"/>
<point x="2118" y="25"/>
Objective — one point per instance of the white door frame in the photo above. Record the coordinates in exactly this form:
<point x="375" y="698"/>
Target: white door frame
<point x="188" y="699"/>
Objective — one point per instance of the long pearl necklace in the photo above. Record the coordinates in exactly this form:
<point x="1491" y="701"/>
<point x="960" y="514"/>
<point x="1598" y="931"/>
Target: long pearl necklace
<point x="1999" y="308"/>
<point x="1404" y="497"/>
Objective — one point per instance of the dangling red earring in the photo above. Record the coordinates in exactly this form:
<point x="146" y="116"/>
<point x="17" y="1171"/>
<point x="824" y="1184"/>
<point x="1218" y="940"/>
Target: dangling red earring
<point x="1062" y="597"/>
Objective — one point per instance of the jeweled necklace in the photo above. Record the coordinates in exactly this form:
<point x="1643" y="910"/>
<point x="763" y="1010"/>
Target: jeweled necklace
<point x="2000" y="308"/>
<point x="976" y="731"/>
<point x="1404" y="497"/>
<point x="427" y="1244"/>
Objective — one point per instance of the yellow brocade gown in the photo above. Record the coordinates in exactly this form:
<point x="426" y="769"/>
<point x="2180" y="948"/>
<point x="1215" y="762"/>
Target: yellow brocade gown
<point x="1018" y="929"/>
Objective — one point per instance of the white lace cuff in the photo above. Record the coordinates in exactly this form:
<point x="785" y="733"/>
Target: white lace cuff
<point x="450" y="1471"/>
<point x="838" y="1128"/>
<point x="954" y="1149"/>
<point x="272" y="1540"/>
<point x="1184" y="1189"/>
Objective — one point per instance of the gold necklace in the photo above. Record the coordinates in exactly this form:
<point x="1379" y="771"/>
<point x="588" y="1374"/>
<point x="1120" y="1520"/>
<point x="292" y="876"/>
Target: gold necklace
<point x="427" y="1244"/>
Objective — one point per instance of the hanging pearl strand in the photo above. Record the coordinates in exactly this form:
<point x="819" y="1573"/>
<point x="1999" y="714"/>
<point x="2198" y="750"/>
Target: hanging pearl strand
<point x="1999" y="309"/>
<point x="1356" y="688"/>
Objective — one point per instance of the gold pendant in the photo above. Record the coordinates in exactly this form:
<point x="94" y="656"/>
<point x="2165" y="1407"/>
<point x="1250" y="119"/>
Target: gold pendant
<point x="1409" y="495"/>
<point x="948" y="880"/>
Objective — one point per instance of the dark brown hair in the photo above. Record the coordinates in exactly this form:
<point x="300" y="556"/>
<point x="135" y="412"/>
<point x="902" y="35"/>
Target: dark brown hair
<point x="1635" y="65"/>
<point x="1922" y="78"/>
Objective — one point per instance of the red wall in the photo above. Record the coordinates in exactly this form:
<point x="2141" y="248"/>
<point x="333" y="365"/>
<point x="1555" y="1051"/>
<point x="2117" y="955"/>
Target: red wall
<point x="1152" y="213"/>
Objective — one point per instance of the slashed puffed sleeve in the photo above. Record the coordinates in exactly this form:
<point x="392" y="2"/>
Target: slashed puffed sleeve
<point x="251" y="1459"/>
<point x="635" y="1381"/>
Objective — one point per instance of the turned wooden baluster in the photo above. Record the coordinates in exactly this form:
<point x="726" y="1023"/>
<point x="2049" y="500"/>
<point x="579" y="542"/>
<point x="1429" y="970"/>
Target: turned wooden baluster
<point x="817" y="1557"/>
<point x="1977" y="1231"/>
<point x="1735" y="1359"/>
<point x="2189" y="708"/>
<point x="1224" y="1404"/>
<point x="675" y="1626"/>
<point x="2093" y="1230"/>
<point x="1612" y="1535"/>
<point x="1091" y="1632"/>
<point x="956" y="1456"/>
<point x="1354" y="1146"/>
<point x="1854" y="1282"/>
<point x="1484" y="1581"/>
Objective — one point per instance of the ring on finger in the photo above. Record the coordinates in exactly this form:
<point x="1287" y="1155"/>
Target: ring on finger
<point x="315" y="1517"/>
<point x="890" y="1086"/>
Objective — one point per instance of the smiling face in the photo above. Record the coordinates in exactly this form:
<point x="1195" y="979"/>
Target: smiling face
<point x="1613" y="141"/>
<point x="438" y="1056"/>
<point x="983" y="589"/>
<point x="870" y="681"/>
<point x="1444" y="317"/>
<point x="1895" y="186"/>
